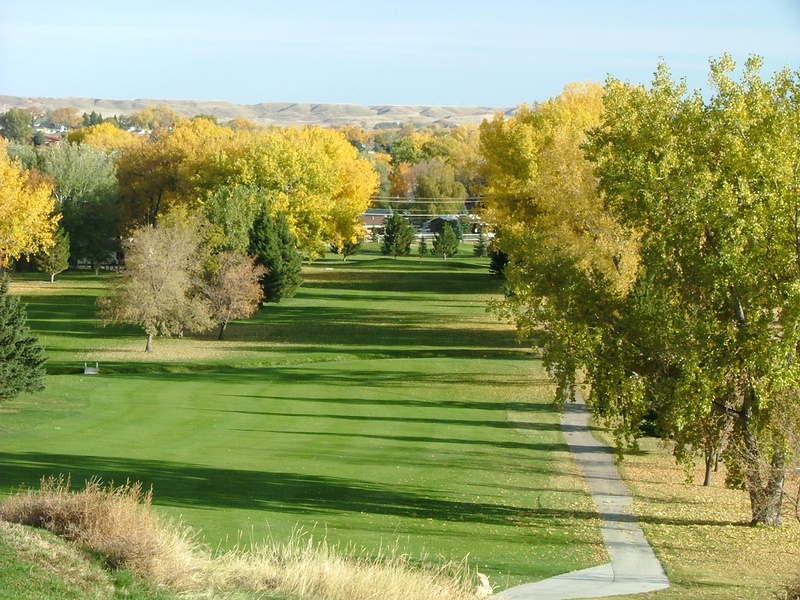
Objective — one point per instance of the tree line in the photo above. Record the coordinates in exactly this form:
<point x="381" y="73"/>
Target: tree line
<point x="651" y="235"/>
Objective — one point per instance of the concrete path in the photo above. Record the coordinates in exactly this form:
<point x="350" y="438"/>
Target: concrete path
<point x="634" y="567"/>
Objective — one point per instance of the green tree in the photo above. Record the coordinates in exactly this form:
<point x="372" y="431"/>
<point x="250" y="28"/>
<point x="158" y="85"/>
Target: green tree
<point x="479" y="249"/>
<point x="712" y="186"/>
<point x="406" y="150"/>
<point x="21" y="357"/>
<point x="275" y="248"/>
<point x="233" y="210"/>
<point x="497" y="260"/>
<point x="422" y="247"/>
<point x="398" y="236"/>
<point x="56" y="258"/>
<point x="87" y="196"/>
<point x="92" y="119"/>
<point x="446" y="243"/>
<point x="17" y="125"/>
<point x="678" y="296"/>
<point x="348" y="248"/>
<point x="437" y="189"/>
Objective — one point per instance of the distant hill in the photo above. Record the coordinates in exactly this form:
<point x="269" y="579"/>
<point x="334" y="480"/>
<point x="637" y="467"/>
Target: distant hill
<point x="273" y="113"/>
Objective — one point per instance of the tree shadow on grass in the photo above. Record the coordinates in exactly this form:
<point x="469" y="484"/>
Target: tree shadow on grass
<point x="188" y="485"/>
<point x="417" y="439"/>
<point x="306" y="372"/>
<point x="195" y="486"/>
<point x="391" y="419"/>
<point x="501" y="407"/>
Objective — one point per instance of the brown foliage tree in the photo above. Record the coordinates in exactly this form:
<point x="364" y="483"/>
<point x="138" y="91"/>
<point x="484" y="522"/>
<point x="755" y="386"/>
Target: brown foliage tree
<point x="232" y="288"/>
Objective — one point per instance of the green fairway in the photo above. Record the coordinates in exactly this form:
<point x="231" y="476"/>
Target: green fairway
<point x="381" y="406"/>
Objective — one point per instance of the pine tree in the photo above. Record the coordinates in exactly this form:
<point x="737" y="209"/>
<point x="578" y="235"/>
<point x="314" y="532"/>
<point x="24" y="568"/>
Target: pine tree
<point x="21" y="357"/>
<point x="398" y="236"/>
<point x="480" y="246"/>
<point x="275" y="247"/>
<point x="446" y="243"/>
<point x="422" y="248"/>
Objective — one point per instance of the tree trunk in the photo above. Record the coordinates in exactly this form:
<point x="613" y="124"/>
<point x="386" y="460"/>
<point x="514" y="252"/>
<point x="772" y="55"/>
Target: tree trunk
<point x="52" y="277"/>
<point x="710" y="460"/>
<point x="766" y="497"/>
<point x="149" y="347"/>
<point x="222" y="326"/>
<point x="764" y="482"/>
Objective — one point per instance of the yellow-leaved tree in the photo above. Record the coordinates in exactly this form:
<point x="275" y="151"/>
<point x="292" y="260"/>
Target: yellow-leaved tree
<point x="105" y="136"/>
<point x="316" y="178"/>
<point x="312" y="175"/>
<point x="543" y="198"/>
<point x="27" y="221"/>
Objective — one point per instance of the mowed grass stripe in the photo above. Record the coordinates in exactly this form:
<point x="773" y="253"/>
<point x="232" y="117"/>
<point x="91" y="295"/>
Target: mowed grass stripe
<point x="400" y="416"/>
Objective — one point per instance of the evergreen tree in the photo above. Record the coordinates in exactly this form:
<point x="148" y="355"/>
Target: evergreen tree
<point x="398" y="236"/>
<point x="446" y="243"/>
<point x="92" y="119"/>
<point x="480" y="246"/>
<point x="497" y="260"/>
<point x="422" y="249"/>
<point x="56" y="258"/>
<point x="275" y="247"/>
<point x="21" y="357"/>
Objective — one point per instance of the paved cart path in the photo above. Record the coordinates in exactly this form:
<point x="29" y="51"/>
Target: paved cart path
<point x="634" y="567"/>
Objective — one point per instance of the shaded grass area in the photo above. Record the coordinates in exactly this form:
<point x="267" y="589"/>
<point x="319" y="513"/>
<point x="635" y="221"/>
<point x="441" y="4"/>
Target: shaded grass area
<point x="381" y="405"/>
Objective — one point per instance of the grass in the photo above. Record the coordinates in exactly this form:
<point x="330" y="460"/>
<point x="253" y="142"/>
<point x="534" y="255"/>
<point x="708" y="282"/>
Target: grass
<point x="702" y="535"/>
<point x="380" y="407"/>
<point x="37" y="565"/>
<point x="151" y="558"/>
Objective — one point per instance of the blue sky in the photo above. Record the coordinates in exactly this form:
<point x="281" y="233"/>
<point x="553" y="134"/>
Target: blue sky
<point x="495" y="53"/>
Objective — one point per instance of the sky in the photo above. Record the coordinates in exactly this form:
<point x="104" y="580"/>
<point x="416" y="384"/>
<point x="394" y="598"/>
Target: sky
<point x="492" y="53"/>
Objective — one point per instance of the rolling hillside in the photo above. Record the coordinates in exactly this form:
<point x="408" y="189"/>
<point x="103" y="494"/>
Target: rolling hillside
<point x="273" y="113"/>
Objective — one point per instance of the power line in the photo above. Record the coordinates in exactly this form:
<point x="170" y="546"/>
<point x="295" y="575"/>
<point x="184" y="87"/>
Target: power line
<point x="400" y="200"/>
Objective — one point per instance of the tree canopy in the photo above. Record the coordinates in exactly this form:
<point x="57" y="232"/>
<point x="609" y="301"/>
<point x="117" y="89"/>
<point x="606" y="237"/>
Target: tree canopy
<point x="17" y="125"/>
<point x="158" y="288"/>
<point x="668" y="277"/>
<point x="312" y="175"/>
<point x="27" y="218"/>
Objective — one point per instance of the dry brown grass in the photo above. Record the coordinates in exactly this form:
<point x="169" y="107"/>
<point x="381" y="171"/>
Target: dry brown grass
<point x="114" y="521"/>
<point x="307" y="568"/>
<point x="118" y="523"/>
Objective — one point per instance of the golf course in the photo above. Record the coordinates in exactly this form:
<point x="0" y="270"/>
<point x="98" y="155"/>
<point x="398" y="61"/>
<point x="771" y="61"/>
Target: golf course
<point x="381" y="407"/>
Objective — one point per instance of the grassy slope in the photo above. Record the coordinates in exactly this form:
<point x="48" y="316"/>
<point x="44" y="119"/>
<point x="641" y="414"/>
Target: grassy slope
<point x="36" y="565"/>
<point x="380" y="406"/>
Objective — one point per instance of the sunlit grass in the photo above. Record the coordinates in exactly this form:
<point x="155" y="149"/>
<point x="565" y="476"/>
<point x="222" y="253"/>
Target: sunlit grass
<point x="381" y="405"/>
